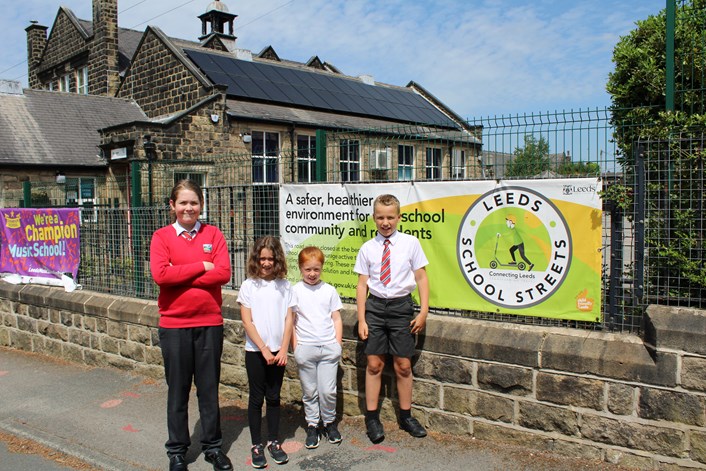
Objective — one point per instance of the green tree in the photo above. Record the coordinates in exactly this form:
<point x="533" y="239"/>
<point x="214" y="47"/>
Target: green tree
<point x="672" y="144"/>
<point x="579" y="169"/>
<point x="530" y="160"/>
<point x="637" y="86"/>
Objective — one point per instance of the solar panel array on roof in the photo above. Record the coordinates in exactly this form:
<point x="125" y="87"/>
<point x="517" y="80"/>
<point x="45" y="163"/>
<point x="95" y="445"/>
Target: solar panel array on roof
<point x="271" y="83"/>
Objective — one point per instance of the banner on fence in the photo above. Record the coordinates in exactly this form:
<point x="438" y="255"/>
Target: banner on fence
<point x="524" y="247"/>
<point x="40" y="246"/>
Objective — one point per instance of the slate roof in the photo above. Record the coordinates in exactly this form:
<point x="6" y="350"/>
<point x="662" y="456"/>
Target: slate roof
<point x="58" y="129"/>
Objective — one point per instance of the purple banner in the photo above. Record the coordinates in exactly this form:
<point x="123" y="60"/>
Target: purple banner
<point x="39" y="242"/>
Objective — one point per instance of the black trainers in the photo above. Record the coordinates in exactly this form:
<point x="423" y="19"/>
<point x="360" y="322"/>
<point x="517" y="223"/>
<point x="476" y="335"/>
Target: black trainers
<point x="331" y="431"/>
<point x="219" y="460"/>
<point x="312" y="437"/>
<point x="413" y="427"/>
<point x="258" y="456"/>
<point x="277" y="453"/>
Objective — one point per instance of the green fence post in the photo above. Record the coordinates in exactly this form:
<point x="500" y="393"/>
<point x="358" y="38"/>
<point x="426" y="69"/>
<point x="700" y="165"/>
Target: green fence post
<point x="136" y="199"/>
<point x="27" y="194"/>
<point x="669" y="67"/>
<point x="320" y="155"/>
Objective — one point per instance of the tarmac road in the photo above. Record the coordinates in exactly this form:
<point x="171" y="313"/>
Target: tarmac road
<point x="62" y="416"/>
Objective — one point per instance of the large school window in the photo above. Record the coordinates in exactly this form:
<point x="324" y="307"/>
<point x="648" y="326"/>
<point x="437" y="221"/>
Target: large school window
<point x="458" y="164"/>
<point x="405" y="162"/>
<point x="306" y="159"/>
<point x="433" y="164"/>
<point x="349" y="160"/>
<point x="265" y="153"/>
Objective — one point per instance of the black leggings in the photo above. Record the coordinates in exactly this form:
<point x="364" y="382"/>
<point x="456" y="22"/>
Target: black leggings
<point x="265" y="382"/>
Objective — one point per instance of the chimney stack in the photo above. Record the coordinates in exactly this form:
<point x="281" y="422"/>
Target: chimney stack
<point x="104" y="72"/>
<point x="36" y="42"/>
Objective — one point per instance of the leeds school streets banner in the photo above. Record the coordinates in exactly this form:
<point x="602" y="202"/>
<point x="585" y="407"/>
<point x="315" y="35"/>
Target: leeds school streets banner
<point x="40" y="245"/>
<point x="524" y="247"/>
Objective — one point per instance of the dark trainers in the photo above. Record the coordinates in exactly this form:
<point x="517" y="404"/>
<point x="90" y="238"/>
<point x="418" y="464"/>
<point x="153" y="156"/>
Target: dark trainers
<point x="277" y="453"/>
<point x="258" y="456"/>
<point x="312" y="437"/>
<point x="413" y="427"/>
<point x="374" y="429"/>
<point x="219" y="460"/>
<point x="334" y="436"/>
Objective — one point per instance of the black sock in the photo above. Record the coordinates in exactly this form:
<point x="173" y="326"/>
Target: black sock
<point x="372" y="414"/>
<point x="405" y="414"/>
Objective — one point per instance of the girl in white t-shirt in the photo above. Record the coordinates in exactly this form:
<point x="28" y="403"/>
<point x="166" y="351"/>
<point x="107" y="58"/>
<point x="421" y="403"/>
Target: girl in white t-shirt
<point x="317" y="339"/>
<point x="266" y="311"/>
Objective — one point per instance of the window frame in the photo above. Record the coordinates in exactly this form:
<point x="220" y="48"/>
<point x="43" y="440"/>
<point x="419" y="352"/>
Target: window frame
<point x="306" y="159"/>
<point x="75" y="197"/>
<point x="458" y="164"/>
<point x="405" y="169"/>
<point x="82" y="80"/>
<point x="65" y="83"/>
<point x="265" y="164"/>
<point x="349" y="160"/>
<point x="433" y="161"/>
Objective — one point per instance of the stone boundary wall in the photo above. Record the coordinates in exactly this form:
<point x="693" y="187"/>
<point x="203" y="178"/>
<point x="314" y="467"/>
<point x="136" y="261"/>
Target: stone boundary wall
<point x="594" y="395"/>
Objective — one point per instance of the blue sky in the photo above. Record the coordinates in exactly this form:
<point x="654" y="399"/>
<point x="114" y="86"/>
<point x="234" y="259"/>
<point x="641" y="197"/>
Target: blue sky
<point x="480" y="57"/>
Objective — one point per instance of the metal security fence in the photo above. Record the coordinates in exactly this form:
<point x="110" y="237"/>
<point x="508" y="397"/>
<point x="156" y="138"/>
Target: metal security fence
<point x="653" y="243"/>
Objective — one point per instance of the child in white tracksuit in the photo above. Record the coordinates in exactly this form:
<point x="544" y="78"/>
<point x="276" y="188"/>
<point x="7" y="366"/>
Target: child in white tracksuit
<point x="317" y="339"/>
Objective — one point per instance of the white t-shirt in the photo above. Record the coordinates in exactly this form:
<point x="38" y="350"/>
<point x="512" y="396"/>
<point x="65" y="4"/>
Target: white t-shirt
<point x="313" y="307"/>
<point x="268" y="301"/>
<point x="406" y="256"/>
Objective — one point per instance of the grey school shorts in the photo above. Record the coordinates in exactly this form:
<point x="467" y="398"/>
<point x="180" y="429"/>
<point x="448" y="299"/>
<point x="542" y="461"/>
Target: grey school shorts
<point x="388" y="326"/>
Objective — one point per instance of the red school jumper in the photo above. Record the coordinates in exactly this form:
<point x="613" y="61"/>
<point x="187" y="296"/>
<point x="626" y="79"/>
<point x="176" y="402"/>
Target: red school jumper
<point x="189" y="296"/>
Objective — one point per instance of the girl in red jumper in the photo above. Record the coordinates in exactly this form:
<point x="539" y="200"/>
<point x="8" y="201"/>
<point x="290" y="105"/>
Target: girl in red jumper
<point x="189" y="261"/>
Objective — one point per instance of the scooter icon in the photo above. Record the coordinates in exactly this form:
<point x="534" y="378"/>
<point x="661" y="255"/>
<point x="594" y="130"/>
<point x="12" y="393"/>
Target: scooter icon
<point x="496" y="262"/>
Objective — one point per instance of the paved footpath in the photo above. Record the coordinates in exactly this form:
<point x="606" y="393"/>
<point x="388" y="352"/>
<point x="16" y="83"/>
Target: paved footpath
<point x="58" y="416"/>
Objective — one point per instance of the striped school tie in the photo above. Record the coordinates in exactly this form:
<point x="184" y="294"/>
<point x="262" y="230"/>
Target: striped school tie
<point x="385" y="272"/>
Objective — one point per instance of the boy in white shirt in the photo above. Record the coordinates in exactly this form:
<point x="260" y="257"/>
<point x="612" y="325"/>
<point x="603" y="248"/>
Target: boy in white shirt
<point x="390" y="266"/>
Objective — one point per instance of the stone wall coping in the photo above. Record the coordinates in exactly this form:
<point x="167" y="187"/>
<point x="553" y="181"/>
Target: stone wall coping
<point x="677" y="328"/>
<point x="622" y="357"/>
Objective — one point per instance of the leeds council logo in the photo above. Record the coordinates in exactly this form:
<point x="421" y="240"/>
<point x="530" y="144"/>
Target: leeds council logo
<point x="514" y="247"/>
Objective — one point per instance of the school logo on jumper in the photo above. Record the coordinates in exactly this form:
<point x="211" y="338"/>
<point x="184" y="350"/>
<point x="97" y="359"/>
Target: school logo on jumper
<point x="514" y="247"/>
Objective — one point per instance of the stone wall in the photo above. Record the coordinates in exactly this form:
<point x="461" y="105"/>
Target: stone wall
<point x="159" y="82"/>
<point x="588" y="394"/>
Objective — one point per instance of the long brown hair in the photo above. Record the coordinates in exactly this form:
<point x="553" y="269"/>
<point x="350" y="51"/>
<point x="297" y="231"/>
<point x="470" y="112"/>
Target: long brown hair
<point x="280" y="262"/>
<point x="184" y="185"/>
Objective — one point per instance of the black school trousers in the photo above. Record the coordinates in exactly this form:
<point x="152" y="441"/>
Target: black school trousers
<point x="192" y="354"/>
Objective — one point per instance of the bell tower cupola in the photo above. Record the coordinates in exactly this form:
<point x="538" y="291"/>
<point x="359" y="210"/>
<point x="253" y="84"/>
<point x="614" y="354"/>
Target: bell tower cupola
<point x="217" y="17"/>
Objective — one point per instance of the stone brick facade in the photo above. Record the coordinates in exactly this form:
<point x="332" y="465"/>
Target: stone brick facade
<point x="609" y="399"/>
<point x="159" y="82"/>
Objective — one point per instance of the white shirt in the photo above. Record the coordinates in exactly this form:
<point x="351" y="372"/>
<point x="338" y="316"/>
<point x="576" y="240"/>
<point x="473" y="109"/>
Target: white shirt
<point x="313" y="307"/>
<point x="268" y="302"/>
<point x="179" y="229"/>
<point x="406" y="256"/>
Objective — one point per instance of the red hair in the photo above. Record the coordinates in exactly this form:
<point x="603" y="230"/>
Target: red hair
<point x="309" y="253"/>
